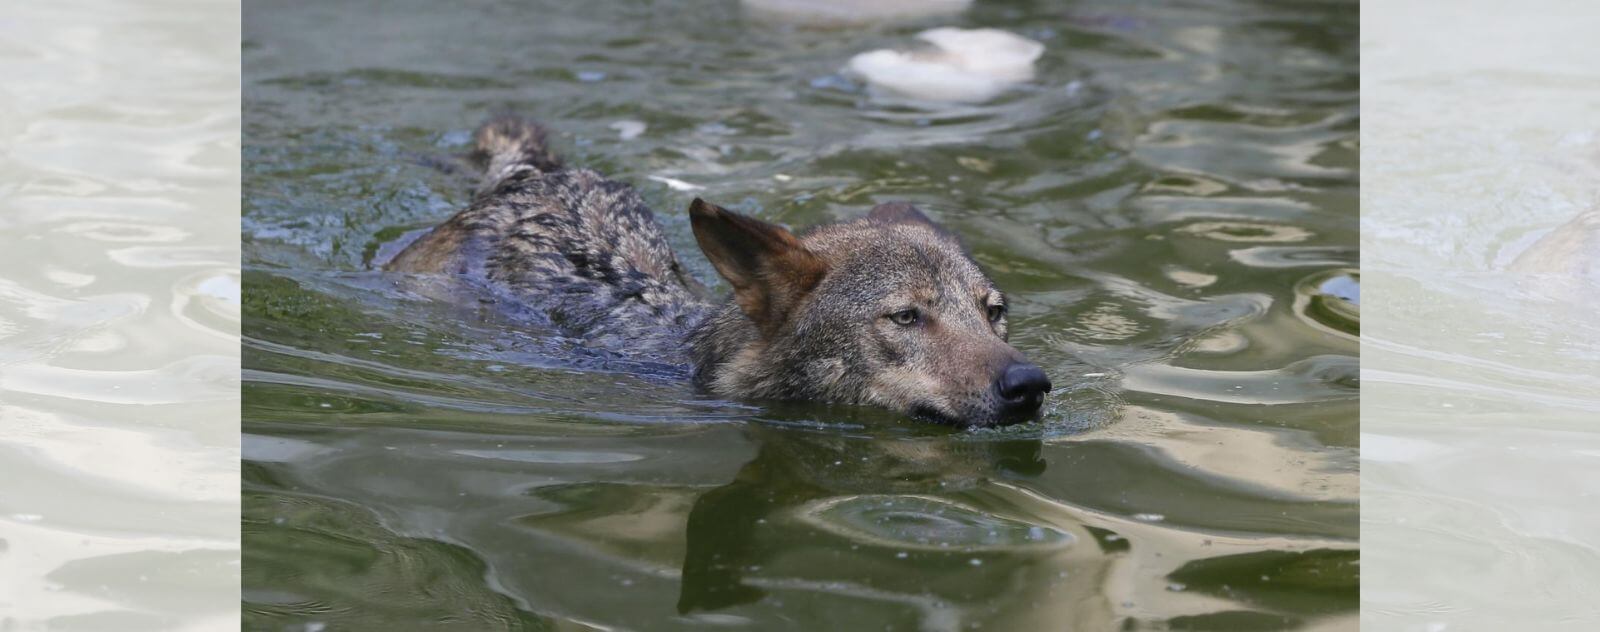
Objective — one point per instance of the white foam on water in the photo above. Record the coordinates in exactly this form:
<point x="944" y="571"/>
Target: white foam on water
<point x="676" y="184"/>
<point x="629" y="129"/>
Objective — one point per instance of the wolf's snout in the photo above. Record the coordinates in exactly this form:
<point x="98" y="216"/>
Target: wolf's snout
<point x="1021" y="388"/>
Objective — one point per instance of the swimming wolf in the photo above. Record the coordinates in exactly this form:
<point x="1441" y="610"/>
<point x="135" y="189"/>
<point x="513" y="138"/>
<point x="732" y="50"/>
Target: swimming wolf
<point x="886" y="310"/>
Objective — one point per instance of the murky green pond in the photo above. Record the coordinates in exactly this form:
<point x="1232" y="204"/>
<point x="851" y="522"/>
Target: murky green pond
<point x="1171" y="206"/>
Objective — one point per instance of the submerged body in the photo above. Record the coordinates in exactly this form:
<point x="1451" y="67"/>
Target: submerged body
<point x="567" y="246"/>
<point x="886" y="310"/>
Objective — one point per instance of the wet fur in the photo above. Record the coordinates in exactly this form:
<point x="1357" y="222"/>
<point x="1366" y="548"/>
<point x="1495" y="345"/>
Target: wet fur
<point x="806" y="318"/>
<point x="581" y="250"/>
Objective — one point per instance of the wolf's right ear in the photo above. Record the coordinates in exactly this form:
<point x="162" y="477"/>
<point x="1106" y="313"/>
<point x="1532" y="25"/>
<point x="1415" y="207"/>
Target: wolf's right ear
<point x="769" y="269"/>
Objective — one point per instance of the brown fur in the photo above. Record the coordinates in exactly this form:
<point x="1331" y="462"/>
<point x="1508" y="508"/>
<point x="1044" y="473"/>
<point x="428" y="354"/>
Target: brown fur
<point x="813" y="316"/>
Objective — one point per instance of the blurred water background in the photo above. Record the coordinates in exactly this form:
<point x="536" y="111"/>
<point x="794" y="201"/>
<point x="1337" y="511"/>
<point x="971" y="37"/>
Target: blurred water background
<point x="119" y="315"/>
<point x="1481" y="413"/>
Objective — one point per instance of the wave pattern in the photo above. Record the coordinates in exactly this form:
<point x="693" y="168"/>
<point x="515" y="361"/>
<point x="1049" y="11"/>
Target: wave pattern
<point x="119" y="315"/>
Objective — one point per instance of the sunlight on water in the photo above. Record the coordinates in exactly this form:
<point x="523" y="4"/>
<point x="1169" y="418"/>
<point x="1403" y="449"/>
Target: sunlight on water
<point x="1481" y="407"/>
<point x="119" y="315"/>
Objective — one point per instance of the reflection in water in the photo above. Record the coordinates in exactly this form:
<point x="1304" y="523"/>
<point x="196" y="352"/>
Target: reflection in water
<point x="912" y="528"/>
<point x="889" y="503"/>
<point x="1316" y="581"/>
<point x="680" y="526"/>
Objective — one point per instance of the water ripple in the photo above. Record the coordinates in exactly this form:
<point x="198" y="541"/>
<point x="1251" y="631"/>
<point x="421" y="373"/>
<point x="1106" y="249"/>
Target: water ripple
<point x="119" y="352"/>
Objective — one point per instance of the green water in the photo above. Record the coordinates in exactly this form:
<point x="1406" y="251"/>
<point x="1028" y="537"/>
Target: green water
<point x="1171" y="207"/>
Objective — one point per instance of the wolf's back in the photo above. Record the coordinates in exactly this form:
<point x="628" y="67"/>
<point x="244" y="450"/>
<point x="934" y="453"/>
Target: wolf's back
<point x="581" y="249"/>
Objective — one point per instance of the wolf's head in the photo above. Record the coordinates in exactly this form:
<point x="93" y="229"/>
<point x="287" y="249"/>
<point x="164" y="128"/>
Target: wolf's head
<point x="887" y="310"/>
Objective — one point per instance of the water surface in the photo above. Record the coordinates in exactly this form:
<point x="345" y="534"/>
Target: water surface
<point x="1171" y="207"/>
<point x="1479" y="436"/>
<point x="119" y="315"/>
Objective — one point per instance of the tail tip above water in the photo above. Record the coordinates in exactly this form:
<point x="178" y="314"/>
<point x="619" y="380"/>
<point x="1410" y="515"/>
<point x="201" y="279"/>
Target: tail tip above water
<point x="509" y="139"/>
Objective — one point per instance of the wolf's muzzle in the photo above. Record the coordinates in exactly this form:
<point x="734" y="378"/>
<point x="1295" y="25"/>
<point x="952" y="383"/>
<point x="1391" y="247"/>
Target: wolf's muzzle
<point x="1021" y="388"/>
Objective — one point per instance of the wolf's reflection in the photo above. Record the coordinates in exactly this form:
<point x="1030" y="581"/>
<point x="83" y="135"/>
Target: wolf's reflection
<point x="913" y="520"/>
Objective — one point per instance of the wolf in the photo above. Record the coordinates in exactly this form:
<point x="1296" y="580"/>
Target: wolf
<point x="887" y="310"/>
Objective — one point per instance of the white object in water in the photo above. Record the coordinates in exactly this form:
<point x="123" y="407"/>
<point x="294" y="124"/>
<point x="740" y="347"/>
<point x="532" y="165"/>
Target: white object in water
<point x="1573" y="249"/>
<point x="964" y="66"/>
<point x="629" y="130"/>
<point x="676" y="184"/>
<point x="845" y="12"/>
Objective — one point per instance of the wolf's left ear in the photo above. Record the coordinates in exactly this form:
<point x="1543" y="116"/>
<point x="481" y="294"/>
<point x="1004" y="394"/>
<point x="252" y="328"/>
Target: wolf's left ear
<point x="769" y="269"/>
<point x="903" y="213"/>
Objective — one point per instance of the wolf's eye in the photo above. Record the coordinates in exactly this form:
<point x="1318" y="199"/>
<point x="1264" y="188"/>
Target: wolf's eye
<point x="996" y="312"/>
<point x="905" y="317"/>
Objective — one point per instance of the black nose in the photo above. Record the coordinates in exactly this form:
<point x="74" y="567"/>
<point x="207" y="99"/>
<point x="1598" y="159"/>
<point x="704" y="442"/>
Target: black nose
<point x="1022" y="387"/>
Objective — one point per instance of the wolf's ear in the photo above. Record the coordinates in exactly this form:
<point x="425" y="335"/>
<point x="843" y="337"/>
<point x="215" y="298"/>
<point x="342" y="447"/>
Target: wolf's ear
<point x="903" y="213"/>
<point x="766" y="265"/>
<point x="898" y="213"/>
